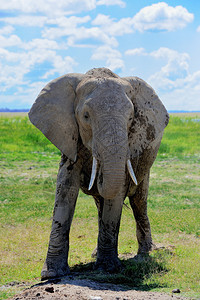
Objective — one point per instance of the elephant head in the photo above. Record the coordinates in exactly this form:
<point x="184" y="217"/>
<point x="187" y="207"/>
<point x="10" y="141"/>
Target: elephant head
<point x="115" y="118"/>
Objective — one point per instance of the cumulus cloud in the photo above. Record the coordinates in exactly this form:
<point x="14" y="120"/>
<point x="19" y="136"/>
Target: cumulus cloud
<point x="42" y="44"/>
<point x="112" y="57"/>
<point x="175" y="69"/>
<point x="161" y="16"/>
<point x="69" y="27"/>
<point x="56" y="8"/>
<point x="11" y="72"/>
<point x="57" y="31"/>
<point x="26" y="20"/>
<point x="6" y="30"/>
<point x="176" y="65"/>
<point x="7" y="39"/>
<point x="10" y="41"/>
<point x="185" y="95"/>
<point x="61" y="66"/>
<point x="93" y="33"/>
<point x="111" y="2"/>
<point x="112" y="27"/>
<point x="40" y="21"/>
<point x="176" y="86"/>
<point x="136" y="51"/>
<point x="47" y="7"/>
<point x="20" y="64"/>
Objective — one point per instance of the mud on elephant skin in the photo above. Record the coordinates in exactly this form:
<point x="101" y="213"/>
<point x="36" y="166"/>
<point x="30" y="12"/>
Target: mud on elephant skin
<point x="108" y="130"/>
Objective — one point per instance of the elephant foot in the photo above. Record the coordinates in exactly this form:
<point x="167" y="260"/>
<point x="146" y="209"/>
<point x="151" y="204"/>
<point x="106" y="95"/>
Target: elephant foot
<point x="108" y="264"/>
<point x="54" y="268"/>
<point x="146" y="246"/>
<point x="94" y="253"/>
<point x="141" y="257"/>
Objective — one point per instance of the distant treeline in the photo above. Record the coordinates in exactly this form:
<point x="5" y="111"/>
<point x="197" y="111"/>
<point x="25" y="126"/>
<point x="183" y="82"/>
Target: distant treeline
<point x="182" y="111"/>
<point x="27" y="109"/>
<point x="14" y="110"/>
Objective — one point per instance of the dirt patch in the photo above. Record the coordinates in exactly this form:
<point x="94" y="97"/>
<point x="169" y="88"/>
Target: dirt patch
<point x="79" y="289"/>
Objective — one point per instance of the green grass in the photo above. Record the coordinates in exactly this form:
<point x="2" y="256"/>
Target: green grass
<point x="29" y="165"/>
<point x="181" y="137"/>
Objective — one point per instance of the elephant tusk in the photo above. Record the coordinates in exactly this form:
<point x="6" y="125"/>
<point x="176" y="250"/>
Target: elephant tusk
<point x="131" y="172"/>
<point x="94" y="171"/>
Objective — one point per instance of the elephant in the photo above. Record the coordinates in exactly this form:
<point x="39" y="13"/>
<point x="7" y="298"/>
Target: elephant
<point x="108" y="129"/>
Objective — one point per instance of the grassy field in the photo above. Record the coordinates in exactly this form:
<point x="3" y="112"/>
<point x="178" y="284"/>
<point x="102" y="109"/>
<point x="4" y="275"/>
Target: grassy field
<point x="29" y="166"/>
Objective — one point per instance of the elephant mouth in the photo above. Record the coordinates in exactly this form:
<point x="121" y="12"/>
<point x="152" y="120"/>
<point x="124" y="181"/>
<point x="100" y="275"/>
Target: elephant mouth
<point x="94" y="173"/>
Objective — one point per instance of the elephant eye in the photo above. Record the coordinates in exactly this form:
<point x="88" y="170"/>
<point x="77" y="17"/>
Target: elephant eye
<point x="86" y="115"/>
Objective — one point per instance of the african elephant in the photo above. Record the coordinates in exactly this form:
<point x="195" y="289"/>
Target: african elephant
<point x="110" y="128"/>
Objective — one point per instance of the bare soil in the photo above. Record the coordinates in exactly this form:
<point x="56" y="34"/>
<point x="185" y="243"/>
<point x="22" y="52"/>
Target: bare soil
<point x="79" y="289"/>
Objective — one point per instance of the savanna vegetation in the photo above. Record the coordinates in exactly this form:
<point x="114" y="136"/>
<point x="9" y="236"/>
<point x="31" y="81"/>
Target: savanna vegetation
<point x="29" y="165"/>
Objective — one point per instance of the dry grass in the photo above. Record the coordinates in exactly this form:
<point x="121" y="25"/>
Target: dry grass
<point x="13" y="114"/>
<point x="186" y="115"/>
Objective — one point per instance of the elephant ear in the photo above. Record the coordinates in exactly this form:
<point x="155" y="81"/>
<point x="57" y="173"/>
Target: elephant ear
<point x="53" y="113"/>
<point x="150" y="119"/>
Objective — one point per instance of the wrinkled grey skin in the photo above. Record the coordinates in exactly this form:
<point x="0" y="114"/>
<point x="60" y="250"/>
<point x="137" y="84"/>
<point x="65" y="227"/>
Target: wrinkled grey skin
<point x="113" y="119"/>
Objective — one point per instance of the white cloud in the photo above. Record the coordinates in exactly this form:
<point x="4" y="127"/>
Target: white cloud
<point x="176" y="68"/>
<point x="161" y="16"/>
<point x="23" y="96"/>
<point x="40" y="21"/>
<point x="14" y="66"/>
<point x="61" y="66"/>
<point x="49" y="7"/>
<point x="42" y="44"/>
<point x="26" y="20"/>
<point x="186" y="96"/>
<point x="102" y="20"/>
<point x="6" y="30"/>
<point x="91" y="33"/>
<point x="12" y="69"/>
<point x="111" y="2"/>
<point x="175" y="85"/>
<point x="54" y="7"/>
<point x="64" y="26"/>
<point x="176" y="65"/>
<point x="66" y="22"/>
<point x="37" y="58"/>
<point x="135" y="51"/>
<point x="112" y="57"/>
<point x="82" y="33"/>
<point x="10" y="41"/>
<point x="112" y="27"/>
<point x="56" y="28"/>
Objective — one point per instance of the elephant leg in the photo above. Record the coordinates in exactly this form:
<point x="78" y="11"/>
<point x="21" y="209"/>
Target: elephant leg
<point x="138" y="204"/>
<point x="65" y="200"/>
<point x="99" y="202"/>
<point x="109" y="223"/>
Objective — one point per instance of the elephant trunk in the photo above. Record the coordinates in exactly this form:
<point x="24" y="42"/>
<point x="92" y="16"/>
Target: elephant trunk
<point x="112" y="170"/>
<point x="111" y="154"/>
<point x="110" y="183"/>
<point x="112" y="180"/>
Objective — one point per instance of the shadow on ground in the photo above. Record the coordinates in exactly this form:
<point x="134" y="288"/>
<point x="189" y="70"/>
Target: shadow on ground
<point x="136" y="273"/>
<point x="135" y="280"/>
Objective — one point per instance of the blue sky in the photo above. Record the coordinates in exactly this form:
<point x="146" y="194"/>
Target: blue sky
<point x="157" y="41"/>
